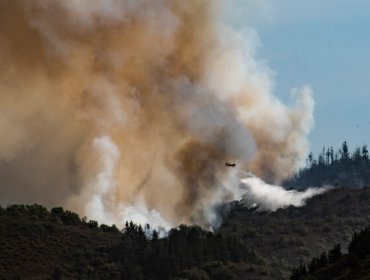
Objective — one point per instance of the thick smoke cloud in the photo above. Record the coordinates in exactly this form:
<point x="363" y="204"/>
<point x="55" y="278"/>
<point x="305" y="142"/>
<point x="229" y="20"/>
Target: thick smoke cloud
<point x="124" y="109"/>
<point x="267" y="197"/>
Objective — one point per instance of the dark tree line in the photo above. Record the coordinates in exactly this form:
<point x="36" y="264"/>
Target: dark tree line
<point x="141" y="252"/>
<point x="319" y="262"/>
<point x="360" y="244"/>
<point x="143" y="257"/>
<point x="338" y="168"/>
<point x="327" y="265"/>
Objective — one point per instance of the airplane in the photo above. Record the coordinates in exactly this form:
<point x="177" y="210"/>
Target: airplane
<point x="230" y="164"/>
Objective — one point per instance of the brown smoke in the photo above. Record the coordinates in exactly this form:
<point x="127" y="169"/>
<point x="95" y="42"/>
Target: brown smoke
<point x="129" y="109"/>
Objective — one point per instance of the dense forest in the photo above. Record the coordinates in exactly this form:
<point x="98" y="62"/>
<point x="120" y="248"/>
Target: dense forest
<point x="336" y="168"/>
<point x="287" y="236"/>
<point x="336" y="265"/>
<point x="36" y="243"/>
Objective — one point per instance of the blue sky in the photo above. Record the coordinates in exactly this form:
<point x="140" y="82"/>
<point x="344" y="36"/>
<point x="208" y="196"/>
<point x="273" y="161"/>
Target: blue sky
<point x="324" y="44"/>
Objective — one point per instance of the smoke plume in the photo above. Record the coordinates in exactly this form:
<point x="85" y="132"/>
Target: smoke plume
<point x="123" y="109"/>
<point x="269" y="197"/>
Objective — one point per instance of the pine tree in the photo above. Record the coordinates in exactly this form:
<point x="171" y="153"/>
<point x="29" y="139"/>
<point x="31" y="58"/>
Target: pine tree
<point x="365" y="153"/>
<point x="323" y="260"/>
<point x="313" y="265"/>
<point x="328" y="156"/>
<point x="344" y="151"/>
<point x="334" y="254"/>
<point x="356" y="156"/>
<point x="331" y="155"/>
<point x="310" y="159"/>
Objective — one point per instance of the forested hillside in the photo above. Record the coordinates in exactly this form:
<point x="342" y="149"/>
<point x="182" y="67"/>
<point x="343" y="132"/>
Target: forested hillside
<point x="336" y="265"/>
<point x="336" y="168"/>
<point x="39" y="244"/>
<point x="288" y="236"/>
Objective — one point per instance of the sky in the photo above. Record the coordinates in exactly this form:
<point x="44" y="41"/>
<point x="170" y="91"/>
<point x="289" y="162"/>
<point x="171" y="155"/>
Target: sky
<point x="321" y="43"/>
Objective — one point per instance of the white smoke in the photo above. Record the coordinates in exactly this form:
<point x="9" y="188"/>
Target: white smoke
<point x="100" y="196"/>
<point x="141" y="215"/>
<point x="270" y="197"/>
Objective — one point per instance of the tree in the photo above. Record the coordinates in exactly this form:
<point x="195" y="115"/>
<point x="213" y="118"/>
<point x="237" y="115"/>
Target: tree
<point x="356" y="156"/>
<point x="360" y="244"/>
<point x="313" y="265"/>
<point x="328" y="156"/>
<point x="299" y="271"/>
<point x="310" y="158"/>
<point x="336" y="156"/>
<point x="344" y="151"/>
<point x="155" y="236"/>
<point x="331" y="155"/>
<point x="334" y="254"/>
<point x="93" y="224"/>
<point x="342" y="167"/>
<point x="323" y="260"/>
<point x="321" y="159"/>
<point x="365" y="153"/>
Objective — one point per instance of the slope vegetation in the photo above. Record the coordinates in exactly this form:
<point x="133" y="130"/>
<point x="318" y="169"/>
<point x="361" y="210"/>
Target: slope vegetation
<point x="39" y="244"/>
<point x="289" y="236"/>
